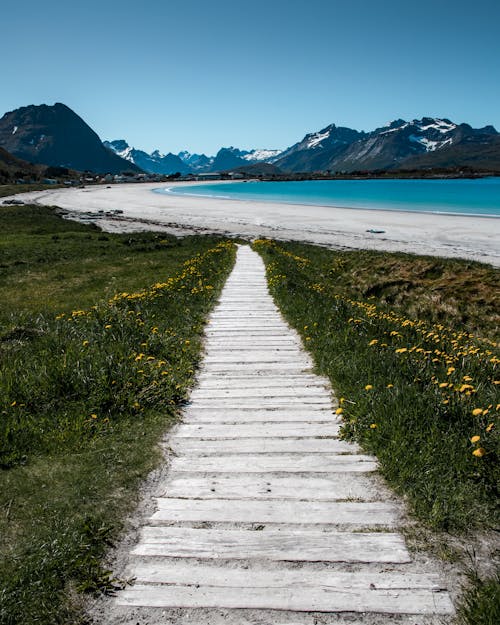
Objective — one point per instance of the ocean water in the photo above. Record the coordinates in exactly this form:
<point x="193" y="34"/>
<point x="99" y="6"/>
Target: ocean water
<point x="479" y="197"/>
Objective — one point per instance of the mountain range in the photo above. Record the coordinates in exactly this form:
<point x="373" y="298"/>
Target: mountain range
<point x="57" y="136"/>
<point x="418" y="144"/>
<point x="185" y="162"/>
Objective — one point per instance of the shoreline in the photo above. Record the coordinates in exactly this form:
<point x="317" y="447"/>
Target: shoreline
<point x="167" y="191"/>
<point x="134" y="207"/>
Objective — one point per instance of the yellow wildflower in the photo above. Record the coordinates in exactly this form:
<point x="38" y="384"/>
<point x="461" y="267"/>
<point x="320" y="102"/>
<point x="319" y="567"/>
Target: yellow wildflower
<point x="107" y="326"/>
<point x="401" y="350"/>
<point x="479" y="452"/>
<point x="374" y="342"/>
<point x="339" y="411"/>
<point x="475" y="439"/>
<point x="85" y="343"/>
<point x="477" y="411"/>
<point x="368" y="387"/>
<point x="490" y="427"/>
<point x="443" y="385"/>
<point x="373" y="426"/>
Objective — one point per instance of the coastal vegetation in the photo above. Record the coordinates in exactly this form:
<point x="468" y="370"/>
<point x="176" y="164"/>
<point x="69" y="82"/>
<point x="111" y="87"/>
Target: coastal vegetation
<point x="100" y="335"/>
<point x="410" y="346"/>
<point x="99" y="339"/>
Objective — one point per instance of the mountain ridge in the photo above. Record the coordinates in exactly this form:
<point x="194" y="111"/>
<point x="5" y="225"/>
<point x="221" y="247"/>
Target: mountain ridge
<point x="56" y="136"/>
<point x="416" y="144"/>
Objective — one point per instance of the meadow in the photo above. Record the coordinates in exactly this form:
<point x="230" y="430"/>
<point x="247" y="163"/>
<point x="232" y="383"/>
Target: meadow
<point x="410" y="346"/>
<point x="100" y="336"/>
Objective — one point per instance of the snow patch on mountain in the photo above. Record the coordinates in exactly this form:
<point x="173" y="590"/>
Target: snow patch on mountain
<point x="316" y="139"/>
<point x="261" y="155"/>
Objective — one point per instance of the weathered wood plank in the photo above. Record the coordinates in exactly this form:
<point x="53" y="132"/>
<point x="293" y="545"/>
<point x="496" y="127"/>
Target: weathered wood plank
<point x="288" y="545"/>
<point x="256" y="403"/>
<point x="194" y="446"/>
<point x="261" y="430"/>
<point x="260" y="392"/>
<point x="291" y="512"/>
<point x="154" y="572"/>
<point x="255" y="486"/>
<point x="235" y="415"/>
<point x="319" y="599"/>
<point x="279" y="463"/>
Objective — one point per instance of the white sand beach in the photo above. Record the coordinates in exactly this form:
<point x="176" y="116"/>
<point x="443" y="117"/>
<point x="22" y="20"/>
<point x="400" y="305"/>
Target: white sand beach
<point x="475" y="238"/>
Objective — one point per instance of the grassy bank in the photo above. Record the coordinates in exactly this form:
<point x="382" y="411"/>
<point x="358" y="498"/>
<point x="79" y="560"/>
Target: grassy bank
<point x="93" y="367"/>
<point x="14" y="189"/>
<point x="409" y="344"/>
<point x="418" y="388"/>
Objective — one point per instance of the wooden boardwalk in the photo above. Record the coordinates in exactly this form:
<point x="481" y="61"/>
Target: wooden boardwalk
<point x="266" y="516"/>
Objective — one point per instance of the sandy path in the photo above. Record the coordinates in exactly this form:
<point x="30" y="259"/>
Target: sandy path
<point x="475" y="238"/>
<point x="265" y="517"/>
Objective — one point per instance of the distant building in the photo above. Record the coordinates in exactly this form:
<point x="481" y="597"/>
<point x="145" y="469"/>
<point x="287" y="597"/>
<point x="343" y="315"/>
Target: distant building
<point x="210" y="176"/>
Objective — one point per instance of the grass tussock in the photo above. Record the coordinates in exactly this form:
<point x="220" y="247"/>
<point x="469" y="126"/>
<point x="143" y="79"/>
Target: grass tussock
<point x="85" y="393"/>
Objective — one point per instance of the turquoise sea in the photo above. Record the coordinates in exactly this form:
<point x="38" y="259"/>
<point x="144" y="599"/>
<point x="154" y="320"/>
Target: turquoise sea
<point x="479" y="197"/>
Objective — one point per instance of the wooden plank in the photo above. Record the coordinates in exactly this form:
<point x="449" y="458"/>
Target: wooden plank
<point x="263" y="391"/>
<point x="257" y="430"/>
<point x="254" y="486"/>
<point x="319" y="599"/>
<point x="200" y="446"/>
<point x="285" y="382"/>
<point x="254" y="356"/>
<point x="298" y="545"/>
<point x="154" y="572"/>
<point x="279" y="463"/>
<point x="255" y="402"/>
<point x="234" y="415"/>
<point x="255" y="369"/>
<point x="292" y="512"/>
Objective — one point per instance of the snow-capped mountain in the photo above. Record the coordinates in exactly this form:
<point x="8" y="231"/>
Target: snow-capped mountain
<point x="398" y="144"/>
<point x="154" y="163"/>
<point x="427" y="142"/>
<point x="185" y="162"/>
<point x="196" y="162"/>
<point x="317" y="148"/>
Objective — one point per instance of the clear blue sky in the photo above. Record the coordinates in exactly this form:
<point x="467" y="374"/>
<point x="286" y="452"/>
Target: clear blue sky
<point x="199" y="75"/>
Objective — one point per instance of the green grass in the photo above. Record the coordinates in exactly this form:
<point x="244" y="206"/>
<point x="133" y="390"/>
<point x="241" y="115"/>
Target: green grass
<point x="481" y="603"/>
<point x="410" y="346"/>
<point x="88" y="383"/>
<point x="417" y="413"/>
<point x="14" y="189"/>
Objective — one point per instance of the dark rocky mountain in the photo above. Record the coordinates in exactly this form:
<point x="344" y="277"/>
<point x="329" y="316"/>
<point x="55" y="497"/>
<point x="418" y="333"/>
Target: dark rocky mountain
<point x="317" y="149"/>
<point x="154" y="163"/>
<point x="226" y="159"/>
<point x="196" y="162"/>
<point x="56" y="135"/>
<point x="425" y="143"/>
<point x="477" y="151"/>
